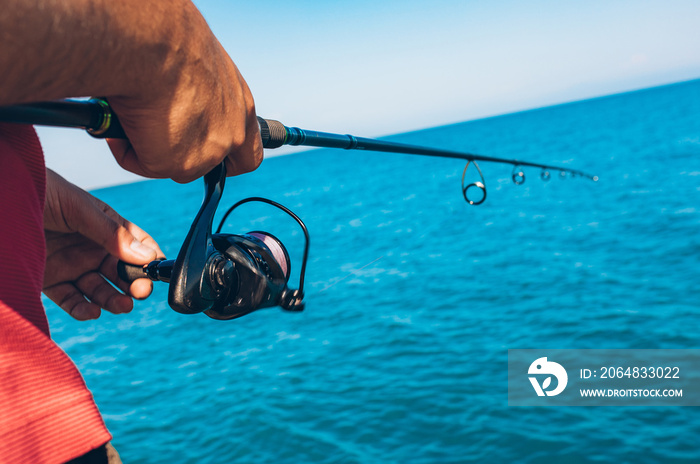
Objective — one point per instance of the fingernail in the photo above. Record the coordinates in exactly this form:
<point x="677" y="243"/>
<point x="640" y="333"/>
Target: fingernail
<point x="142" y="250"/>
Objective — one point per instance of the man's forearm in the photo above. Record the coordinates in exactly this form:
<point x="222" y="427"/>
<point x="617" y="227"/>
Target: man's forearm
<point x="60" y="48"/>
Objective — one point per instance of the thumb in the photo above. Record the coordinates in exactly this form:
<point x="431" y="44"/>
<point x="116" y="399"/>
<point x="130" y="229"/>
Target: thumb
<point x="101" y="224"/>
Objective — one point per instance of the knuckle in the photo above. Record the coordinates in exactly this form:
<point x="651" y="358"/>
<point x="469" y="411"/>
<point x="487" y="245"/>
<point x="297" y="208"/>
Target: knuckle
<point x="238" y="139"/>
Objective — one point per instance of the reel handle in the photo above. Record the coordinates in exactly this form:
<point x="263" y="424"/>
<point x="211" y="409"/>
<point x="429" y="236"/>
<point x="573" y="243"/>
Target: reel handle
<point x="158" y="270"/>
<point x="130" y="272"/>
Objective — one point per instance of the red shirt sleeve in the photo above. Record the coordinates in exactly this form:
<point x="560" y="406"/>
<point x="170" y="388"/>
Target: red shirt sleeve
<point x="47" y="414"/>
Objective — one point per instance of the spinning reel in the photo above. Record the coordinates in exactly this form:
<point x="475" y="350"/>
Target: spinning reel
<point x="226" y="276"/>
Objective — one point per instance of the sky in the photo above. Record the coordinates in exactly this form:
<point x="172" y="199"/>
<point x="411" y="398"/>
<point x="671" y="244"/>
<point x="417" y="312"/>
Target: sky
<point x="375" y="68"/>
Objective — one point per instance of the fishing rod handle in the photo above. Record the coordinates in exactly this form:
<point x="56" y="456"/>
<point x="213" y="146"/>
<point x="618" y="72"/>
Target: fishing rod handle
<point x="94" y="115"/>
<point x="98" y="119"/>
<point x="104" y="123"/>
<point x="109" y="127"/>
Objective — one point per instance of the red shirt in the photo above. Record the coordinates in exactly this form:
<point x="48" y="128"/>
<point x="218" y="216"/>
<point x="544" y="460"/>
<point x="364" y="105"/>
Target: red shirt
<point x="47" y="414"/>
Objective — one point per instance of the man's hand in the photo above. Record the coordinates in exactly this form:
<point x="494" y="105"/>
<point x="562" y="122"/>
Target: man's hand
<point x="84" y="240"/>
<point x="182" y="102"/>
<point x="199" y="112"/>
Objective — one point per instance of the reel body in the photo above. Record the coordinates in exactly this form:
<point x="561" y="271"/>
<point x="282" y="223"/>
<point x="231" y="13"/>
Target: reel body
<point x="260" y="275"/>
<point x="225" y="276"/>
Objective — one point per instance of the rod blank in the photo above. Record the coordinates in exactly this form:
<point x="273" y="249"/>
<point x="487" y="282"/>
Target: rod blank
<point x="99" y="120"/>
<point x="275" y="134"/>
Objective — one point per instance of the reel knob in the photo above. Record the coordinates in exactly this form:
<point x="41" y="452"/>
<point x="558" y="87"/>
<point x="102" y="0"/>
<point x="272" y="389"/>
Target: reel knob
<point x="291" y="300"/>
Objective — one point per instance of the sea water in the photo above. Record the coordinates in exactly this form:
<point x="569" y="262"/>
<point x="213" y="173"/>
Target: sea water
<point x="413" y="298"/>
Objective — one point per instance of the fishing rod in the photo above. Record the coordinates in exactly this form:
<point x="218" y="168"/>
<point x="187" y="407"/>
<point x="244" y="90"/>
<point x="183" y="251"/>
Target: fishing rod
<point x="96" y="116"/>
<point x="224" y="275"/>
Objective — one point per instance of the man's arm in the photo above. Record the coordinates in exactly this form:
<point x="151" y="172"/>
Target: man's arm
<point x="181" y="100"/>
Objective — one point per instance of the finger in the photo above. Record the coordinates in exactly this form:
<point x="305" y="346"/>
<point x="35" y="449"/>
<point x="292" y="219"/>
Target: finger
<point x="144" y="238"/>
<point x="72" y="260"/>
<point x="101" y="293"/>
<point x="101" y="224"/>
<point x="139" y="289"/>
<point x="125" y="156"/>
<point x="249" y="155"/>
<point x="72" y="301"/>
<point x="138" y="233"/>
<point x="64" y="239"/>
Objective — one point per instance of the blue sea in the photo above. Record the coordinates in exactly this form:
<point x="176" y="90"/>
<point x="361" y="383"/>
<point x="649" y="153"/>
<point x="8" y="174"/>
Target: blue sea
<point x="414" y="297"/>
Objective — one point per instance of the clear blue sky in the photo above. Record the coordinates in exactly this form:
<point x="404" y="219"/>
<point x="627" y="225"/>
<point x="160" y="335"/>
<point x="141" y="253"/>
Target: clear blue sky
<point x="374" y="68"/>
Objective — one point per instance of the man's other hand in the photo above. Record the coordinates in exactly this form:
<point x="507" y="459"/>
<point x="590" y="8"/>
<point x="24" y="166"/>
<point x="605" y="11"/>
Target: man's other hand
<point x="84" y="240"/>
